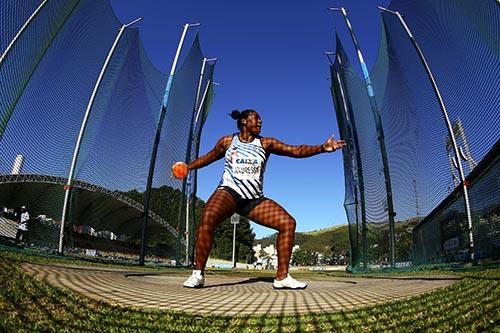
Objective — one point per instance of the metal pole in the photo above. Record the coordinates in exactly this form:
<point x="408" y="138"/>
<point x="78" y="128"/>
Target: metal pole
<point x="200" y="81"/>
<point x="235" y="219"/>
<point x="67" y="187"/>
<point x="188" y="156"/>
<point x="359" y="169"/>
<point x="380" y="132"/>
<point x="202" y="101"/>
<point x="187" y="228"/>
<point x="359" y="172"/>
<point x="193" y="175"/>
<point x="448" y="125"/>
<point x="198" y="107"/>
<point x="156" y="143"/>
<point x="19" y="33"/>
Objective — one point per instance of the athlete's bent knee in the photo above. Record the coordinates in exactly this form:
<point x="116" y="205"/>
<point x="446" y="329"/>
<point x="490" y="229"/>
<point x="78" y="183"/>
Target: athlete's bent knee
<point x="288" y="224"/>
<point x="209" y="216"/>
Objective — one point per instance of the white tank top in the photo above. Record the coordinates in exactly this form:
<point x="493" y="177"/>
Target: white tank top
<point x="244" y="166"/>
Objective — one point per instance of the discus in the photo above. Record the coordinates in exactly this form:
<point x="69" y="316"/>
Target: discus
<point x="179" y="170"/>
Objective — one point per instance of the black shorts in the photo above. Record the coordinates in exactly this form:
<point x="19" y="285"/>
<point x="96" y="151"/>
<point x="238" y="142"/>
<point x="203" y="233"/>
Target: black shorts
<point x="243" y="206"/>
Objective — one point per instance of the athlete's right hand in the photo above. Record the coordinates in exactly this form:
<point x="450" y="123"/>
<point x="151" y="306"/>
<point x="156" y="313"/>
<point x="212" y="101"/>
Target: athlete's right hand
<point x="179" y="170"/>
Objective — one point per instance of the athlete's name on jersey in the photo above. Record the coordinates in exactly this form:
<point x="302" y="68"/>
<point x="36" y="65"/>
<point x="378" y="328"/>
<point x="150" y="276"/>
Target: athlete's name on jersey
<point x="247" y="170"/>
<point x="246" y="161"/>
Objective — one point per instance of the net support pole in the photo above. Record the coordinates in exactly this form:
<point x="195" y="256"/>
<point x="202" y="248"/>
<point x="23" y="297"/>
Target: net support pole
<point x="353" y="146"/>
<point x="186" y="232"/>
<point x="359" y="168"/>
<point x="69" y="183"/>
<point x="196" y="144"/>
<point x="156" y="142"/>
<point x="186" y="186"/>
<point x="235" y="219"/>
<point x="448" y="125"/>
<point x="380" y="135"/>
<point x="200" y="108"/>
<point x="20" y="32"/>
<point x="194" y="121"/>
<point x="189" y="189"/>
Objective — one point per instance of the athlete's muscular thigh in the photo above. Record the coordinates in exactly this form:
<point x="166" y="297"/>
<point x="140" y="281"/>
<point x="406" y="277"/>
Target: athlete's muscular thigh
<point x="220" y="206"/>
<point x="270" y="214"/>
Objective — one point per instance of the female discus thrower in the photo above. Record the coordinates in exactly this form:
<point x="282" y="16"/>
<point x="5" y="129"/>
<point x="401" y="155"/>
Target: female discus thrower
<point x="240" y="191"/>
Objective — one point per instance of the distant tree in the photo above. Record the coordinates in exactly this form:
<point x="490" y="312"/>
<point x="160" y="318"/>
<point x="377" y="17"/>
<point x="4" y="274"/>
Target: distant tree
<point x="165" y="202"/>
<point x="223" y="241"/>
<point x="244" y="241"/>
<point x="223" y="238"/>
<point x="304" y="257"/>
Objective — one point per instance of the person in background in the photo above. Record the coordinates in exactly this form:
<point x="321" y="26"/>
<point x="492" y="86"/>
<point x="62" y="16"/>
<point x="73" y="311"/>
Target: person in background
<point x="22" y="229"/>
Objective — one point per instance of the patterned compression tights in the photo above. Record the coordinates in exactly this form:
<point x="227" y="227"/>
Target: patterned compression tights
<point x="222" y="205"/>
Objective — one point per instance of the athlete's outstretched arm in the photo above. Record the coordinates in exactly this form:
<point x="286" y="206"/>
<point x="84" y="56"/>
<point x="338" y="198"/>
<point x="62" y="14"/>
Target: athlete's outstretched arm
<point x="277" y="147"/>
<point x="215" y="154"/>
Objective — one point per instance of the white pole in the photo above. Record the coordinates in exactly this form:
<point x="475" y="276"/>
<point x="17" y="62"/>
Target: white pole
<point x="18" y="165"/>
<point x="234" y="245"/>
<point x="448" y="125"/>
<point x="174" y="66"/>
<point x="359" y="168"/>
<point x="179" y="47"/>
<point x="235" y="219"/>
<point x="161" y="117"/>
<point x="202" y="102"/>
<point x="204" y="62"/>
<point x="13" y="41"/>
<point x="187" y="230"/>
<point x="67" y="187"/>
<point x="188" y="184"/>
<point x="380" y="133"/>
<point x="200" y="81"/>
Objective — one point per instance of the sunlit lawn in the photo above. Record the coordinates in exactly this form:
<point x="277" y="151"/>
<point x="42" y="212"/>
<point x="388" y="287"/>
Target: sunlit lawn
<point x="27" y="304"/>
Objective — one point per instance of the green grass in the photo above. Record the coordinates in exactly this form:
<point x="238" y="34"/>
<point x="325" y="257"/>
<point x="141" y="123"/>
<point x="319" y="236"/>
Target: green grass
<point x="27" y="305"/>
<point x="33" y="255"/>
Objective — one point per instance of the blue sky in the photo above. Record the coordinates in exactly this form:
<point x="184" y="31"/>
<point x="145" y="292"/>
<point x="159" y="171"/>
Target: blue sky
<point x="271" y="58"/>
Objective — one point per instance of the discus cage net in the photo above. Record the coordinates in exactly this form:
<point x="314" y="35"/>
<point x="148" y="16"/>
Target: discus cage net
<point x="461" y="43"/>
<point x="53" y="54"/>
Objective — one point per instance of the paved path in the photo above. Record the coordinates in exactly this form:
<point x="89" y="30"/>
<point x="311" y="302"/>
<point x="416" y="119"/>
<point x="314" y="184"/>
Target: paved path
<point x="232" y="295"/>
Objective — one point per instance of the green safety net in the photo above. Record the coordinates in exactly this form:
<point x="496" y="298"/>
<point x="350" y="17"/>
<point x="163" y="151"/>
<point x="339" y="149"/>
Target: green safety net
<point x="431" y="222"/>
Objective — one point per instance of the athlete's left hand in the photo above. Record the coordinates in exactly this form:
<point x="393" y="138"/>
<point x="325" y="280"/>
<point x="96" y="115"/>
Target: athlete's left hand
<point x="332" y="145"/>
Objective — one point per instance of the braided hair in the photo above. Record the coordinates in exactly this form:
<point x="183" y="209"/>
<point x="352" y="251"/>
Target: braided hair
<point x="239" y="116"/>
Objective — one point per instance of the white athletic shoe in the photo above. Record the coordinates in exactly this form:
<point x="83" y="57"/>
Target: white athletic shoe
<point x="288" y="283"/>
<point x="196" y="280"/>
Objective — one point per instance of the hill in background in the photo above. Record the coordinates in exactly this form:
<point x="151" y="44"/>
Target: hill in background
<point x="329" y="241"/>
<point x="334" y="241"/>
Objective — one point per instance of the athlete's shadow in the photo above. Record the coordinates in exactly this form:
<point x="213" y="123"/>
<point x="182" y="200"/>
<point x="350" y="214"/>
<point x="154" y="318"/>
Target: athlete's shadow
<point x="247" y="281"/>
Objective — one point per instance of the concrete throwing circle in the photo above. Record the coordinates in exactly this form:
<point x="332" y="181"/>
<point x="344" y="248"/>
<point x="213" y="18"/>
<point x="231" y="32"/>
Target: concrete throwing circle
<point x="231" y="295"/>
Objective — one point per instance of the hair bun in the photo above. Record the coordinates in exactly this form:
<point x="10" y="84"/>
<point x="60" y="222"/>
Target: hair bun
<point x="235" y="114"/>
